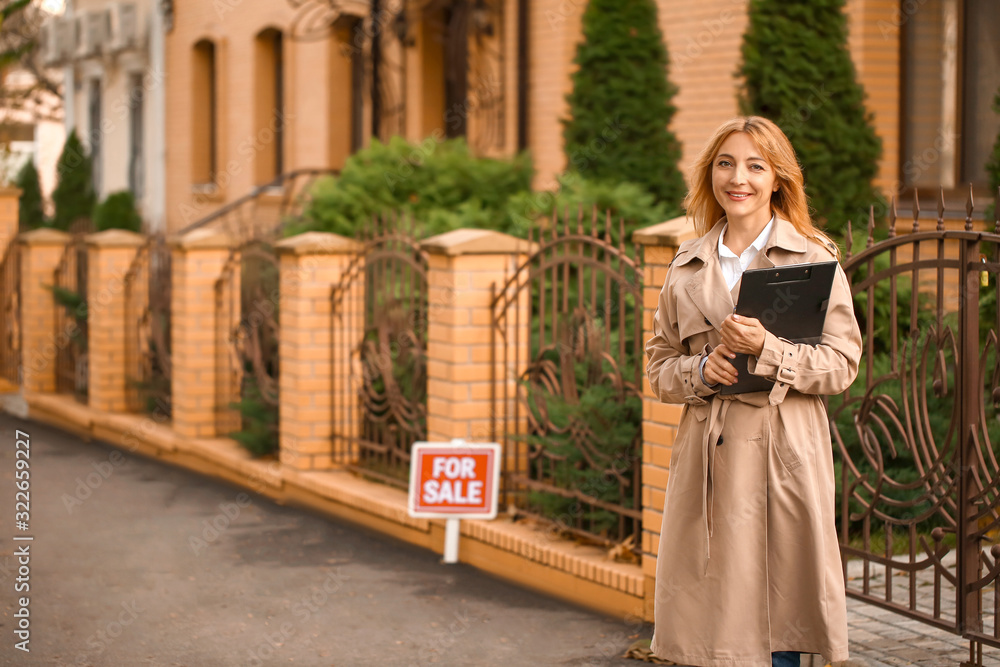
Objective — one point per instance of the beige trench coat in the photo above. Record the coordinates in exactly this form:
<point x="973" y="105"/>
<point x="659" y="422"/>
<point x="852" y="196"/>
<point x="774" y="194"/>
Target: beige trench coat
<point x="748" y="559"/>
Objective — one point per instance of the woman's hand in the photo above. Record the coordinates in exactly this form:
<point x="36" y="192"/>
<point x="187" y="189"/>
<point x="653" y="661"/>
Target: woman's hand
<point x="744" y="335"/>
<point x="717" y="369"/>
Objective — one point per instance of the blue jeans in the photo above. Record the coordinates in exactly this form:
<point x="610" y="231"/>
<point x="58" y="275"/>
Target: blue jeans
<point x="785" y="659"/>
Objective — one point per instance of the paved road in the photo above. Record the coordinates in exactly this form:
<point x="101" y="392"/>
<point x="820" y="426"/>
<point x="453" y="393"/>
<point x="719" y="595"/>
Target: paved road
<point x="124" y="572"/>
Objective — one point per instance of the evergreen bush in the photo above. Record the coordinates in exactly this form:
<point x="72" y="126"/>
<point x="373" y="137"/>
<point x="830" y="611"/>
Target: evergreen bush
<point x="798" y="72"/>
<point x="620" y="106"/>
<point x="118" y="211"/>
<point x="30" y="214"/>
<point x="993" y="167"/>
<point x="73" y="196"/>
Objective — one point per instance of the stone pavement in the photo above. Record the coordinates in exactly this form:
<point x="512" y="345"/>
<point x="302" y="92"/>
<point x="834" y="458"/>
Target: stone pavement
<point x="880" y="637"/>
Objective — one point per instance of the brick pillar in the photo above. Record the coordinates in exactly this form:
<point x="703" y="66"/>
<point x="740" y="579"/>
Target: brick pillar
<point x="109" y="255"/>
<point x="659" y="420"/>
<point x="311" y="265"/>
<point x="8" y="218"/>
<point x="464" y="265"/>
<point x="10" y="361"/>
<point x="41" y="252"/>
<point x="198" y="260"/>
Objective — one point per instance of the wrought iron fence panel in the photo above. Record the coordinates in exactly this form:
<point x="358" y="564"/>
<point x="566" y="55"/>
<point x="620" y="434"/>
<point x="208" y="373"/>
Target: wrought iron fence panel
<point x="247" y="362"/>
<point x="10" y="314"/>
<point x="568" y="379"/>
<point x="147" y="329"/>
<point x="917" y="435"/>
<point x="379" y="338"/>
<point x="69" y="291"/>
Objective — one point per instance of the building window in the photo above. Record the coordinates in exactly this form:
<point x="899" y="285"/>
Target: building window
<point x="347" y="89"/>
<point x="951" y="71"/>
<point x="269" y="109"/>
<point x="136" y="174"/>
<point x="204" y="122"/>
<point x="94" y="132"/>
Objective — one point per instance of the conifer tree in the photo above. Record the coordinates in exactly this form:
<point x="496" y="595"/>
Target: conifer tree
<point x="620" y="106"/>
<point x="798" y="72"/>
<point x="30" y="214"/>
<point x="73" y="196"/>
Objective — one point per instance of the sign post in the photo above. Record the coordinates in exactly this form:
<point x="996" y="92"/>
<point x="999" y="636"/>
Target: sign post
<point x="454" y="481"/>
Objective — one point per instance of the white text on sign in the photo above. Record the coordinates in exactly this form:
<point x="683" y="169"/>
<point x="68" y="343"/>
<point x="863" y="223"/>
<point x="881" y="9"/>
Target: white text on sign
<point x="453" y="480"/>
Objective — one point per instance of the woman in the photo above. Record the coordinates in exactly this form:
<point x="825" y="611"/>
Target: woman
<point x="748" y="570"/>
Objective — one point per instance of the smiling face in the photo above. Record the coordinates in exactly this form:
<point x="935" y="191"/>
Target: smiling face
<point x="743" y="181"/>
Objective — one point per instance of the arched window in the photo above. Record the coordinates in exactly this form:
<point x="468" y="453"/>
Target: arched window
<point x="269" y="107"/>
<point x="204" y="135"/>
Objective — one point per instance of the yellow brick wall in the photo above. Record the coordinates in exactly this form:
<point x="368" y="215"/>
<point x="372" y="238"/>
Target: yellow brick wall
<point x="875" y="48"/>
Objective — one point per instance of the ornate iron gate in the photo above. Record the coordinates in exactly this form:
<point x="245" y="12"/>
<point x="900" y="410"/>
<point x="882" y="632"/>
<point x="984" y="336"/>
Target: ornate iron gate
<point x="10" y="314"/>
<point x="919" y="432"/>
<point x="567" y="328"/>
<point x="379" y="339"/>
<point x="147" y="329"/>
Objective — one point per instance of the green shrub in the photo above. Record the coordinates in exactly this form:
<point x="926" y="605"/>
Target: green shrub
<point x="118" y="211"/>
<point x="620" y="106"/>
<point x="798" y="72"/>
<point x="30" y="213"/>
<point x="74" y="193"/>
<point x="993" y="167"/>
<point x="442" y="184"/>
<point x="259" y="432"/>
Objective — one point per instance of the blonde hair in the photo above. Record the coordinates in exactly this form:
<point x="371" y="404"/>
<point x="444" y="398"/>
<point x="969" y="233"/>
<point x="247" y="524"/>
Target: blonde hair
<point x="788" y="202"/>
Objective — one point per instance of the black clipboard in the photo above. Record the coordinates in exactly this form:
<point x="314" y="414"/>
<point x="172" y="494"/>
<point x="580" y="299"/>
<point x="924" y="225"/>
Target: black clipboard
<point x="791" y="302"/>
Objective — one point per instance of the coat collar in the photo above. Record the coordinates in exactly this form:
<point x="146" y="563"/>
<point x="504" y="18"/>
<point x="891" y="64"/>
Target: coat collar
<point x="784" y="236"/>
<point x="707" y="287"/>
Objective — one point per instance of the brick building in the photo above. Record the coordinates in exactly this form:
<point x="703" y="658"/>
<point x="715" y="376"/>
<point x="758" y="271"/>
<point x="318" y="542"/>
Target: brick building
<point x="258" y="89"/>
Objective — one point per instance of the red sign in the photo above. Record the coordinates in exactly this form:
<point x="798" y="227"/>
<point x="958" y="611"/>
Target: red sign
<point x="457" y="480"/>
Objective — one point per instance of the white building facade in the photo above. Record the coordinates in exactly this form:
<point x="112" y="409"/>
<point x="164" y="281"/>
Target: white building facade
<point x="112" y="55"/>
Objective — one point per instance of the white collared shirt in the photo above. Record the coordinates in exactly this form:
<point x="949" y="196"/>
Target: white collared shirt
<point x="733" y="266"/>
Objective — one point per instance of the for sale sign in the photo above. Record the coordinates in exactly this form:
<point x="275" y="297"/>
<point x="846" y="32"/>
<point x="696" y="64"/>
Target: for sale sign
<point x="458" y="480"/>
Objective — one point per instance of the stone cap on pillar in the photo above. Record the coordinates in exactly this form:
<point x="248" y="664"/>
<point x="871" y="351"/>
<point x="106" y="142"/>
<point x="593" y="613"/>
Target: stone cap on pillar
<point x="318" y="243"/>
<point x="477" y="242"/>
<point x="115" y="238"/>
<point x="10" y="192"/>
<point x="203" y="239"/>
<point x="672" y="232"/>
<point x="45" y="236"/>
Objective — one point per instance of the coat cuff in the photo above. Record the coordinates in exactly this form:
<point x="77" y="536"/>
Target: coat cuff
<point x="778" y="362"/>
<point x="695" y="388"/>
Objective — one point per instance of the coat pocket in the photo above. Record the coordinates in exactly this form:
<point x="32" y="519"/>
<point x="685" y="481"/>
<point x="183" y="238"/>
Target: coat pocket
<point x="782" y="442"/>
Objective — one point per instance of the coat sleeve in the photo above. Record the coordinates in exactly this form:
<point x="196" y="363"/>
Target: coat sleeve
<point x="674" y="373"/>
<point x="827" y="368"/>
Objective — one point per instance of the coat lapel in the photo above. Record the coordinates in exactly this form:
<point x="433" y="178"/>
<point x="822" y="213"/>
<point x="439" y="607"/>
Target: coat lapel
<point x="707" y="287"/>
